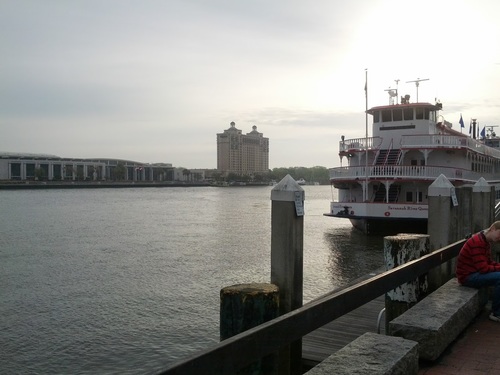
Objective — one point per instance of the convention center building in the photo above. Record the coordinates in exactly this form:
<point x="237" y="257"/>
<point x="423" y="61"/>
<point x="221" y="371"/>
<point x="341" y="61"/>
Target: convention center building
<point x="44" y="167"/>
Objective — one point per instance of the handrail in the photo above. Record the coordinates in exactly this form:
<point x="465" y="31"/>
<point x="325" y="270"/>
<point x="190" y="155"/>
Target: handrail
<point x="240" y="350"/>
<point x="497" y="211"/>
<point x="371" y="143"/>
<point x="421" y="172"/>
<point x="443" y="140"/>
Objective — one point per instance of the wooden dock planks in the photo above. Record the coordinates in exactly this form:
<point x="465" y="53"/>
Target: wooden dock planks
<point x="326" y="340"/>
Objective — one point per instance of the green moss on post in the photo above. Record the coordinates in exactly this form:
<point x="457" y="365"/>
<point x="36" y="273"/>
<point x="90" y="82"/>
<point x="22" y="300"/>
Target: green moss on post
<point x="245" y="306"/>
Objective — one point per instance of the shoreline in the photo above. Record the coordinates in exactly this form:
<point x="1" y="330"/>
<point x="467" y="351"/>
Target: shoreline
<point x="104" y="185"/>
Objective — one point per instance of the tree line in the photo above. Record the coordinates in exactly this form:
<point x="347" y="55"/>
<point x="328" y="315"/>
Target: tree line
<point x="311" y="175"/>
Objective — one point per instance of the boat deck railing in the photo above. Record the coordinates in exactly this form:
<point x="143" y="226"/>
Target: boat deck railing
<point x="412" y="172"/>
<point x="448" y="141"/>
<point x="370" y="143"/>
<point x="431" y="141"/>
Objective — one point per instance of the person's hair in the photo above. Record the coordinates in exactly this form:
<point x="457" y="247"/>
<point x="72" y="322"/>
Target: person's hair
<point x="495" y="225"/>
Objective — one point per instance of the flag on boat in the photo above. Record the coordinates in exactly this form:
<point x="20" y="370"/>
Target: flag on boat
<point x="483" y="132"/>
<point x="461" y="122"/>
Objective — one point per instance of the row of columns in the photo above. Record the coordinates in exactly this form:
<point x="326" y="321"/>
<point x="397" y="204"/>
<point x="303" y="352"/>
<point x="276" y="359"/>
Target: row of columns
<point x="53" y="167"/>
<point x="91" y="170"/>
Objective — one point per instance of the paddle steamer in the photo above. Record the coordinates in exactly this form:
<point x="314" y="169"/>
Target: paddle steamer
<point x="383" y="187"/>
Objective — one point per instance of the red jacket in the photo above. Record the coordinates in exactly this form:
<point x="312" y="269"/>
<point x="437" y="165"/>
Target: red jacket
<point x="475" y="256"/>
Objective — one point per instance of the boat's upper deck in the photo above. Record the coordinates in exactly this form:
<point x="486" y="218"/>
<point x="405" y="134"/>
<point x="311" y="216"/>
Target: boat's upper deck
<point x="395" y="120"/>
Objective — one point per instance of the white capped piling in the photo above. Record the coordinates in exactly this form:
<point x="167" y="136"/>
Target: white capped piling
<point x="483" y="203"/>
<point x="399" y="250"/>
<point x="442" y="198"/>
<point x="483" y="210"/>
<point x="287" y="243"/>
<point x="449" y="213"/>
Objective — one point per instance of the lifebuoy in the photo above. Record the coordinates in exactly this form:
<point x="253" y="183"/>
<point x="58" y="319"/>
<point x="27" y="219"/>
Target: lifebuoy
<point x="387" y="213"/>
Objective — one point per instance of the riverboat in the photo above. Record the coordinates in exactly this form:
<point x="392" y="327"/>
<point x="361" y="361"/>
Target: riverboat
<point x="383" y="187"/>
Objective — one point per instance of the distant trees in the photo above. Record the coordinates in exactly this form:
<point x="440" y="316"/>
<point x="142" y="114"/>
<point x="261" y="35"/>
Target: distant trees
<point x="314" y="174"/>
<point x="39" y="174"/>
<point x="120" y="172"/>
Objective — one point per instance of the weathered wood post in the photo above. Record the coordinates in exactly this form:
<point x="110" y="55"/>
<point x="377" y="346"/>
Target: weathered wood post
<point x="287" y="243"/>
<point x="483" y="205"/>
<point x="245" y="306"/>
<point x="399" y="250"/>
<point x="447" y="218"/>
<point x="483" y="210"/>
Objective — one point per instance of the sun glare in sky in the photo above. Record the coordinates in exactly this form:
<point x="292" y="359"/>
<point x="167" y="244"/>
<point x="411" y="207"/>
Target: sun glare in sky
<point x="156" y="81"/>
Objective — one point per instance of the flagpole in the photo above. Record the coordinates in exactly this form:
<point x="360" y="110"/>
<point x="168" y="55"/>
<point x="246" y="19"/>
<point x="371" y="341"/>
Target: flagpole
<point x="366" y="134"/>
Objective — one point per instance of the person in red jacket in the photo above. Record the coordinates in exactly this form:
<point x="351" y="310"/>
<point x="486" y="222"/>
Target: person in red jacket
<point x="476" y="269"/>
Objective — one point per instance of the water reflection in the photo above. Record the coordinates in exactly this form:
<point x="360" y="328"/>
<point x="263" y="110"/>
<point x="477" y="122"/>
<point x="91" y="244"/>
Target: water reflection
<point x="352" y="254"/>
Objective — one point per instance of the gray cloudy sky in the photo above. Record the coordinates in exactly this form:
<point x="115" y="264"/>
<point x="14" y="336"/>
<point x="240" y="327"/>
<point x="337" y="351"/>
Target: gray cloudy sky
<point x="155" y="80"/>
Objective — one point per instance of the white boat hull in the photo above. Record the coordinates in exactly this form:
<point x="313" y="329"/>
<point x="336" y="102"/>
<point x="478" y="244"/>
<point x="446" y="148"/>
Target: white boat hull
<point x="383" y="218"/>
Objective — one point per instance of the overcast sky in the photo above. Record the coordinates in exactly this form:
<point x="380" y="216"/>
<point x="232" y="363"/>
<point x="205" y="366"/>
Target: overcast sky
<point x="156" y="80"/>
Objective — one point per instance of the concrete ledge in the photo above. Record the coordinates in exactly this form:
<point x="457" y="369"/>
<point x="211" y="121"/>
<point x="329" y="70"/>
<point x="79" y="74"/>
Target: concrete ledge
<point x="372" y="354"/>
<point x="439" y="318"/>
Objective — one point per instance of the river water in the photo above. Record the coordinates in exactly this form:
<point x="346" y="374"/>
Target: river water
<point x="127" y="281"/>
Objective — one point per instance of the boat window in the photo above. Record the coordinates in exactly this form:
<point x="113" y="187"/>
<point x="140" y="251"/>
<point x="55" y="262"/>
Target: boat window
<point x="397" y="115"/>
<point x="419" y="113"/>
<point x="433" y="116"/>
<point x="386" y="115"/>
<point x="376" y="116"/>
<point x="413" y="162"/>
<point x="409" y="196"/>
<point x="408" y="113"/>
<point x="419" y="199"/>
<point x="426" y="113"/>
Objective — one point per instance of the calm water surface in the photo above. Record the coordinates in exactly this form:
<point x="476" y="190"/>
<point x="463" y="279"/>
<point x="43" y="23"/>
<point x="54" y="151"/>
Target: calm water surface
<point x="127" y="280"/>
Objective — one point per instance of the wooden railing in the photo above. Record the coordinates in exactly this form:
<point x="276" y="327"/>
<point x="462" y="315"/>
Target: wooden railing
<point x="238" y="351"/>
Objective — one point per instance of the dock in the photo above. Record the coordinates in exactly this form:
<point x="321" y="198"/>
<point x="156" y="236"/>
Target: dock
<point x="319" y="344"/>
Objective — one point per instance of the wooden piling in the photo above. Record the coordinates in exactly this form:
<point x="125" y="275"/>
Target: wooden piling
<point x="483" y="203"/>
<point x="287" y="243"/>
<point x="245" y="306"/>
<point x="399" y="250"/>
<point x="448" y="216"/>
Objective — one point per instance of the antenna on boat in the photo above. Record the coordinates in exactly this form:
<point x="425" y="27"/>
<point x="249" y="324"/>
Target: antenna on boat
<point x="392" y="93"/>
<point x="490" y="133"/>
<point x="417" y="82"/>
<point x="397" y="83"/>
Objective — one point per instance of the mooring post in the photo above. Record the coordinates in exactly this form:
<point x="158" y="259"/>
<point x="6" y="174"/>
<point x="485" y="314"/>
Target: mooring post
<point x="483" y="205"/>
<point x="244" y="306"/>
<point x="483" y="210"/>
<point x="447" y="217"/>
<point x="398" y="250"/>
<point x="287" y="243"/>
